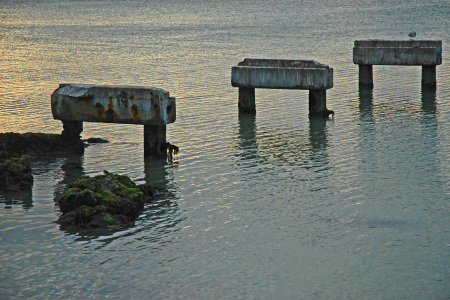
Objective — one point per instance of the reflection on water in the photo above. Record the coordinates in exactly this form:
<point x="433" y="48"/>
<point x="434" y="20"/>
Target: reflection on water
<point x="156" y="172"/>
<point x="318" y="133"/>
<point x="158" y="219"/>
<point x="246" y="137"/>
<point x="43" y="167"/>
<point x="269" y="206"/>
<point x="13" y="198"/>
<point x="282" y="161"/>
<point x="254" y="144"/>
<point x="365" y="101"/>
<point x="72" y="168"/>
<point x="429" y="100"/>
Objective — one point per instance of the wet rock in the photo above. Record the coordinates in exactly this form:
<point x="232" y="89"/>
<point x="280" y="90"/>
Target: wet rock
<point x="147" y="190"/>
<point x="15" y="173"/>
<point x="102" y="200"/>
<point x="37" y="143"/>
<point x="17" y="149"/>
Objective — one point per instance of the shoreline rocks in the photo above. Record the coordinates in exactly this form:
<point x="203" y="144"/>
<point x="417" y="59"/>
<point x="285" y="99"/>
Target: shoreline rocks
<point x="37" y="143"/>
<point x="15" y="173"/>
<point x="18" y="149"/>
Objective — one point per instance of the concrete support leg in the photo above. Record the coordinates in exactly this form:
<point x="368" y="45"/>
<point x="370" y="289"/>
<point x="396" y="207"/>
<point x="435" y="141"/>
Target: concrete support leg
<point x="429" y="76"/>
<point x="317" y="102"/>
<point x="247" y="100"/>
<point x="155" y="141"/>
<point x="366" y="75"/>
<point x="72" y="130"/>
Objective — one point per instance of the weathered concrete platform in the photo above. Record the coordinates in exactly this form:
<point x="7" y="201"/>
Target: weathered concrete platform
<point x="425" y="53"/>
<point x="148" y="106"/>
<point x="282" y="74"/>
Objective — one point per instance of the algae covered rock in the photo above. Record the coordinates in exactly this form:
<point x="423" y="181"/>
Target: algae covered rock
<point x="15" y="173"/>
<point x="100" y="201"/>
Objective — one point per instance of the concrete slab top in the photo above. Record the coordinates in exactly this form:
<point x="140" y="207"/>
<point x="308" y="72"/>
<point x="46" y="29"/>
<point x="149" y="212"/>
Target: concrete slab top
<point x="398" y="43"/>
<point x="281" y="63"/>
<point x="113" y="104"/>
<point x="398" y="52"/>
<point x="282" y="74"/>
<point x="80" y="89"/>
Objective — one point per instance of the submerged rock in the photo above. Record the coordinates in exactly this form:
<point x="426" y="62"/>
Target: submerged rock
<point x="102" y="200"/>
<point x="15" y="173"/>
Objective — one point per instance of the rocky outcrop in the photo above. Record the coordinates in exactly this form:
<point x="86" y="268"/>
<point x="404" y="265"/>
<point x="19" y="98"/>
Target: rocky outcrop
<point x="17" y="150"/>
<point x="102" y="200"/>
<point x="15" y="173"/>
<point x="37" y="143"/>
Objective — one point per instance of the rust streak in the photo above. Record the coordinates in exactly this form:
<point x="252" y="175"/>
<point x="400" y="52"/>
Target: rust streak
<point x="99" y="110"/>
<point x="135" y="113"/>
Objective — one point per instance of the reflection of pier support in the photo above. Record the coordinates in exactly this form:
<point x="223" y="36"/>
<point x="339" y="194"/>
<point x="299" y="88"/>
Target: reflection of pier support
<point x="365" y="99"/>
<point x="247" y="100"/>
<point x="429" y="100"/>
<point x="317" y="133"/>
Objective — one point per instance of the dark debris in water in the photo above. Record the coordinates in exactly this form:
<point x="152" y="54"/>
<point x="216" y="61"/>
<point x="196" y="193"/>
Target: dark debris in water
<point x="96" y="141"/>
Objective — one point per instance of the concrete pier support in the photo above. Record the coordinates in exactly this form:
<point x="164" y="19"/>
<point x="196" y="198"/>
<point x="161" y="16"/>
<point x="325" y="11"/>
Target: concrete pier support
<point x="247" y="100"/>
<point x="366" y="75"/>
<point x="425" y="53"/>
<point x="282" y="74"/>
<point x="71" y="130"/>
<point x="429" y="76"/>
<point x="317" y="102"/>
<point x="155" y="141"/>
<point x="74" y="104"/>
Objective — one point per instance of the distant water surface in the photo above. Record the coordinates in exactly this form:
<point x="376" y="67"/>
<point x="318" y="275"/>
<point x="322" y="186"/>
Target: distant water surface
<point x="272" y="206"/>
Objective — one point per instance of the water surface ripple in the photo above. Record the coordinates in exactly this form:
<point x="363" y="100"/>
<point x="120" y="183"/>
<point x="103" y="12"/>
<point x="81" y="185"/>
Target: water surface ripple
<point x="268" y="206"/>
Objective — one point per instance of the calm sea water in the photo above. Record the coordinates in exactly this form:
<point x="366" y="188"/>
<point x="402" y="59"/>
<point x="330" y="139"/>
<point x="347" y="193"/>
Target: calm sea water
<point x="272" y="206"/>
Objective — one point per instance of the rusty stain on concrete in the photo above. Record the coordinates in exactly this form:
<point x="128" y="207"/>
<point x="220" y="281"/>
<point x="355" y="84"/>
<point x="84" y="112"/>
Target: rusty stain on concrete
<point x="99" y="110"/>
<point x="119" y="104"/>
<point x="135" y="113"/>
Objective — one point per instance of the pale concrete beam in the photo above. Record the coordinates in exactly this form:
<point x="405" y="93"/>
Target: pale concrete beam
<point x="388" y="52"/>
<point x="425" y="53"/>
<point x="282" y="74"/>
<point x="113" y="104"/>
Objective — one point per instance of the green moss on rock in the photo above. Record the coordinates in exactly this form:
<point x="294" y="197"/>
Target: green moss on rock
<point x="101" y="200"/>
<point x="108" y="218"/>
<point x="15" y="173"/>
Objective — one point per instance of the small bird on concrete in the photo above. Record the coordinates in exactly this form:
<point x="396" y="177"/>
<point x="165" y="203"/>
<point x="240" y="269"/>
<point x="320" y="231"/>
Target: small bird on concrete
<point x="412" y="34"/>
